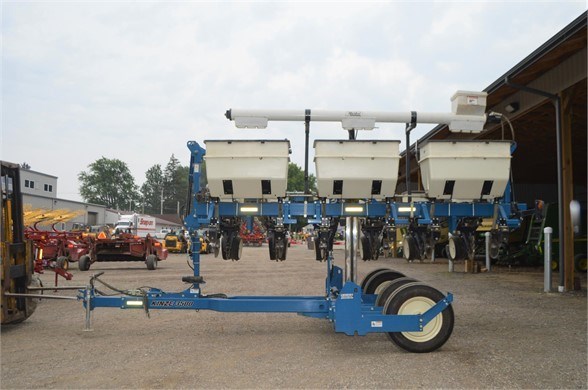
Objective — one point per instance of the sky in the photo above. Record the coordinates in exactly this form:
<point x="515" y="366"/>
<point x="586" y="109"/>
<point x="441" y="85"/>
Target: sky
<point x="136" y="80"/>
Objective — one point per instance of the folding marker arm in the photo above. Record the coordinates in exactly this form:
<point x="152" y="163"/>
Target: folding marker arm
<point x="468" y="115"/>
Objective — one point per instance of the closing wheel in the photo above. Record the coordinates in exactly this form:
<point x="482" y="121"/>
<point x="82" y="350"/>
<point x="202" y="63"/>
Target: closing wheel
<point x="151" y="262"/>
<point x="366" y="250"/>
<point x="84" y="263"/>
<point x="410" y="250"/>
<point x="416" y="298"/>
<point x="62" y="262"/>
<point x="388" y="288"/>
<point x="580" y="262"/>
<point x="378" y="278"/>
<point x="456" y="248"/>
<point x="236" y="248"/>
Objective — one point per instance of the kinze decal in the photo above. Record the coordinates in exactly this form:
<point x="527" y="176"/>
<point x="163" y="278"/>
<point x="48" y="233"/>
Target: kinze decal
<point x="172" y="304"/>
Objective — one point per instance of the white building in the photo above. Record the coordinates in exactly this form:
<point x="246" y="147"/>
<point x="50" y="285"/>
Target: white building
<point x="39" y="191"/>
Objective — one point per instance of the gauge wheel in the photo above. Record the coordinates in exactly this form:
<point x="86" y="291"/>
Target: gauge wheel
<point x="224" y="248"/>
<point x="456" y="248"/>
<point x="416" y="298"/>
<point x="366" y="249"/>
<point x="236" y="248"/>
<point x="389" y="287"/>
<point x="410" y="249"/>
<point x="84" y="263"/>
<point x="377" y="279"/>
<point x="271" y="244"/>
<point x="62" y="262"/>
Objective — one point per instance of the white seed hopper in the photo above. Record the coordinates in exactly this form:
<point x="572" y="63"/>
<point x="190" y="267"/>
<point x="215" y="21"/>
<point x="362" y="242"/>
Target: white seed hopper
<point x="356" y="169"/>
<point x="245" y="169"/>
<point x="465" y="170"/>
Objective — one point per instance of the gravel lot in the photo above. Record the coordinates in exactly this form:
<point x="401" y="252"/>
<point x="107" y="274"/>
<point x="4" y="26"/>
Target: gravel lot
<point x="508" y="334"/>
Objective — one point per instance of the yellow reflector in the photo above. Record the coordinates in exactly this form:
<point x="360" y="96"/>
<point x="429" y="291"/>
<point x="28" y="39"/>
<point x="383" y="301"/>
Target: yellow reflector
<point x="134" y="303"/>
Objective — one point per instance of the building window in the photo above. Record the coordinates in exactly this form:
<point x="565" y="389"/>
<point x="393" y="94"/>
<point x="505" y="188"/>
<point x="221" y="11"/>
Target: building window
<point x="48" y="188"/>
<point x="29" y="184"/>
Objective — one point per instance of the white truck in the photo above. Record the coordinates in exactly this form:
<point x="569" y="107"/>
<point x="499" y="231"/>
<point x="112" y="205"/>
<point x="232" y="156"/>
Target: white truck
<point x="137" y="224"/>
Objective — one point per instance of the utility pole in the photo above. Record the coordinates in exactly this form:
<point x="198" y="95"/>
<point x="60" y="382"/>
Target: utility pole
<point x="161" y="203"/>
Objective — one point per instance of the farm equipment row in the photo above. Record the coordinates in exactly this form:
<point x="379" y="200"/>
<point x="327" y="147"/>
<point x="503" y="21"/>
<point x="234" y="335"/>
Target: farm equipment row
<point x="54" y="249"/>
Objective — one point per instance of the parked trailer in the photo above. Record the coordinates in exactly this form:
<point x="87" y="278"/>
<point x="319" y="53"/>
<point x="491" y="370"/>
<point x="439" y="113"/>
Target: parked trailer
<point x="248" y="178"/>
<point x="123" y="247"/>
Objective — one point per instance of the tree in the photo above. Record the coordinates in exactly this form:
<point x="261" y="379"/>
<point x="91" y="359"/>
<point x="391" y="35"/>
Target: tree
<point x="108" y="182"/>
<point x="25" y="166"/>
<point x="151" y="190"/>
<point x="296" y="179"/>
<point x="175" y="185"/>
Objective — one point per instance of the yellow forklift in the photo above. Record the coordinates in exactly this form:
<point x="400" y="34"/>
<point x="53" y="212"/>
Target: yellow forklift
<point x="17" y="260"/>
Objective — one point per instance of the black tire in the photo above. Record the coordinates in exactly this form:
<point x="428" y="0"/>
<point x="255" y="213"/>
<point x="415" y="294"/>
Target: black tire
<point x="392" y="286"/>
<point x="456" y="248"/>
<point x="224" y="248"/>
<point x="281" y="255"/>
<point x="62" y="262"/>
<point x="84" y="263"/>
<point x="368" y="276"/>
<point x="151" y="262"/>
<point x="236" y="248"/>
<point x="410" y="250"/>
<point x="580" y="262"/>
<point x="366" y="249"/>
<point x="271" y="244"/>
<point x="416" y="298"/>
<point x="378" y="278"/>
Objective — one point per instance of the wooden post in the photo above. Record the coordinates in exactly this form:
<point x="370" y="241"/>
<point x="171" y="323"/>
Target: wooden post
<point x="566" y="237"/>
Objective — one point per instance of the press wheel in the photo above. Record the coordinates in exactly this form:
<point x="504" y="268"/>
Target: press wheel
<point x="417" y="298"/>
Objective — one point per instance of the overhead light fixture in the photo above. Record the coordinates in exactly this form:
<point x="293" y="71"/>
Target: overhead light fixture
<point x="512" y="107"/>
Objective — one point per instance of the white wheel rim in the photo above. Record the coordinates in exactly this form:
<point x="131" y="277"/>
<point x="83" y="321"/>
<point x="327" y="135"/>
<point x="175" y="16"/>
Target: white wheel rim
<point x="382" y="286"/>
<point x="419" y="305"/>
<point x="406" y="249"/>
<point x="452" y="249"/>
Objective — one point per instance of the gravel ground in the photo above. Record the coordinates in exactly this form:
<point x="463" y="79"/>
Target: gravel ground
<point x="508" y="334"/>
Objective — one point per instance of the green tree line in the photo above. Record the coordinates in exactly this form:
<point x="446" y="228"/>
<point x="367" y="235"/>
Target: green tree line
<point x="109" y="182"/>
